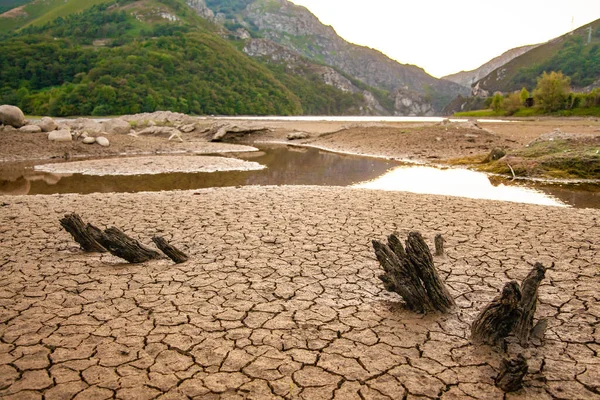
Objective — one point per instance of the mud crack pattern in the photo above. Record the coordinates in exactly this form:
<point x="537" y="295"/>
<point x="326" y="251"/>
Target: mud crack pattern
<point x="280" y="298"/>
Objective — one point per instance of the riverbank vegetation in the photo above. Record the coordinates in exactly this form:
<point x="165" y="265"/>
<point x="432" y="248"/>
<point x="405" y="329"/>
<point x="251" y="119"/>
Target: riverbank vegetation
<point x="551" y="96"/>
<point x="552" y="156"/>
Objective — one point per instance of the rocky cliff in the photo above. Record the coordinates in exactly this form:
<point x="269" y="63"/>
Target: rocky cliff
<point x="294" y="63"/>
<point x="468" y="78"/>
<point x="298" y="30"/>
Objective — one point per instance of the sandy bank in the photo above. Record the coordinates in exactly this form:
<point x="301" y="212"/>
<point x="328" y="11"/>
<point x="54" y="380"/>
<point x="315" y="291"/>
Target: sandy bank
<point x="150" y="165"/>
<point x="281" y="297"/>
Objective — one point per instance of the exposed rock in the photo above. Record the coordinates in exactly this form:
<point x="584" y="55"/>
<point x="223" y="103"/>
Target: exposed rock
<point x="47" y="124"/>
<point x="11" y="115"/>
<point x="160" y="131"/>
<point x="86" y="124"/>
<point x="102" y="141"/>
<point x="496" y="154"/>
<point x="63" y="135"/>
<point x="159" y="118"/>
<point x="297" y="135"/>
<point x="410" y="103"/>
<point x="220" y="131"/>
<point x="299" y="30"/>
<point x="295" y="63"/>
<point x="116" y="126"/>
<point x="372" y="105"/>
<point x="478" y="91"/>
<point x="187" y="128"/>
<point x="8" y="128"/>
<point x="30" y="129"/>
<point x="89" y="140"/>
<point x="201" y="9"/>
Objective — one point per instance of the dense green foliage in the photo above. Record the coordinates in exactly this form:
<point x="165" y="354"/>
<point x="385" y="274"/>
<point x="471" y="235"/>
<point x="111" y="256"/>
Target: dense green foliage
<point x="576" y="59"/>
<point x="10" y="4"/>
<point x="228" y="7"/>
<point x="191" y="73"/>
<point x="105" y="61"/>
<point x="552" y="91"/>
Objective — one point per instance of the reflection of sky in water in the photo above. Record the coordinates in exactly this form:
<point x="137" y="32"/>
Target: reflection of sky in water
<point x="455" y="182"/>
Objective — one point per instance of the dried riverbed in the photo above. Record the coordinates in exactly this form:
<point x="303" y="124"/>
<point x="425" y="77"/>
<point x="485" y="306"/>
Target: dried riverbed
<point x="281" y="296"/>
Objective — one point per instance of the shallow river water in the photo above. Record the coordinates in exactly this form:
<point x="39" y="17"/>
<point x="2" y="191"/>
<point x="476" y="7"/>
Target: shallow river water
<point x="308" y="166"/>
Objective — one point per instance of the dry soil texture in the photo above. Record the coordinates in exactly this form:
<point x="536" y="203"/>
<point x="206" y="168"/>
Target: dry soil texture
<point x="280" y="298"/>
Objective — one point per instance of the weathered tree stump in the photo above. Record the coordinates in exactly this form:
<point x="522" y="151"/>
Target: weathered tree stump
<point x="528" y="304"/>
<point x="123" y="246"/>
<point x="171" y="251"/>
<point x="439" y="245"/>
<point x="411" y="273"/>
<point x="498" y="319"/>
<point x="512" y="372"/>
<point x="82" y="234"/>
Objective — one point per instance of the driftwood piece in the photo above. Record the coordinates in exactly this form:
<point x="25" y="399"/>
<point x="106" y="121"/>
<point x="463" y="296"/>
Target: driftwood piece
<point x="498" y="319"/>
<point x="82" y="233"/>
<point x="528" y="304"/>
<point x="439" y="245"/>
<point x="171" y="251"/>
<point x="512" y="372"/>
<point x="123" y="246"/>
<point x="420" y="256"/>
<point x="400" y="278"/>
<point x="411" y="273"/>
<point x="219" y="132"/>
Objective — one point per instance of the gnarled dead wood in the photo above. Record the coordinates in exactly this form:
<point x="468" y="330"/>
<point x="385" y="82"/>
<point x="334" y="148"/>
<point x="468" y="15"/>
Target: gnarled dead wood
<point x="498" y="319"/>
<point x="420" y="256"/>
<point x="82" y="234"/>
<point x="512" y="372"/>
<point x="123" y="246"/>
<point x="411" y="273"/>
<point x="171" y="251"/>
<point x="528" y="304"/>
<point x="439" y="245"/>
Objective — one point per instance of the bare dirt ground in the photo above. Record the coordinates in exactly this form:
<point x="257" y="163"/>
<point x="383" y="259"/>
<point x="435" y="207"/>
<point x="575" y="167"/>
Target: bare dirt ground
<point x="280" y="297"/>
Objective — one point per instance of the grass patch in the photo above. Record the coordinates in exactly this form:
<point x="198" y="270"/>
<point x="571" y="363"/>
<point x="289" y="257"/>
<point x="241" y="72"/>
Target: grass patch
<point x="480" y="113"/>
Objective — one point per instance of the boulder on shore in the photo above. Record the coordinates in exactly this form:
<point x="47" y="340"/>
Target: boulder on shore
<point x="116" y="126"/>
<point x="30" y="129"/>
<point x="102" y="141"/>
<point x="11" y="115"/>
<point x="60" y="136"/>
<point x="87" y="125"/>
<point x="297" y="135"/>
<point x="47" y="124"/>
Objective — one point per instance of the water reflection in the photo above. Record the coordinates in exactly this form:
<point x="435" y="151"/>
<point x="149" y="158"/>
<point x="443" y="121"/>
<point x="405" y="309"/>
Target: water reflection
<point x="285" y="166"/>
<point x="304" y="166"/>
<point x="455" y="182"/>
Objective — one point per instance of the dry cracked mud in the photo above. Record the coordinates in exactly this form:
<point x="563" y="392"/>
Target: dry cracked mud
<point x="280" y="298"/>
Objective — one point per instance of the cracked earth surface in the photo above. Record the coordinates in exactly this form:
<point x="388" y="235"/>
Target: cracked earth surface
<point x="280" y="298"/>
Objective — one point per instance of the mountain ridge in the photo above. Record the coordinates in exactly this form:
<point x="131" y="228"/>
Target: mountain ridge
<point x="468" y="78"/>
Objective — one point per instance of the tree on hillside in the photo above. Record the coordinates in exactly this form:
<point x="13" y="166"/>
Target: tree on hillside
<point x="524" y="95"/>
<point x="497" y="101"/>
<point x="552" y="91"/>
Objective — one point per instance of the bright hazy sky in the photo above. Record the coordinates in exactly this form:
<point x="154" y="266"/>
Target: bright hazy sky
<point x="447" y="36"/>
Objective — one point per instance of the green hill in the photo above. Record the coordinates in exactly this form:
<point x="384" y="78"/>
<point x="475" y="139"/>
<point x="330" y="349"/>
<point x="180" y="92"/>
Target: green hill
<point x="570" y="53"/>
<point x="133" y="56"/>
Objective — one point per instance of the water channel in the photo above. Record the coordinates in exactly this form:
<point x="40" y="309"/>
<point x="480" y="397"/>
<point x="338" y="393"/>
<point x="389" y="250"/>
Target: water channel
<point x="307" y="166"/>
